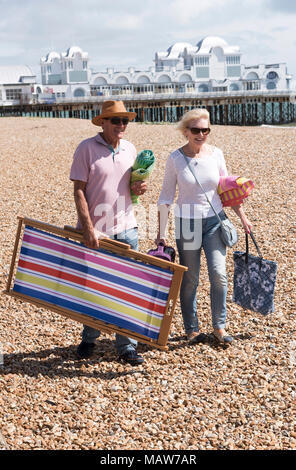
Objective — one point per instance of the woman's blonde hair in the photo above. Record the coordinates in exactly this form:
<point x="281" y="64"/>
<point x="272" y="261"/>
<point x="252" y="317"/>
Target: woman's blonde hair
<point x="196" y="113"/>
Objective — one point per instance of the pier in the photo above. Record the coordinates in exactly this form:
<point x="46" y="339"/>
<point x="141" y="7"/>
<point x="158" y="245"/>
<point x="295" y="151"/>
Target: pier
<point x="239" y="108"/>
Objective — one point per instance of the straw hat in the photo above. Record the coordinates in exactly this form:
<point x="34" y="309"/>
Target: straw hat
<point x="110" y="109"/>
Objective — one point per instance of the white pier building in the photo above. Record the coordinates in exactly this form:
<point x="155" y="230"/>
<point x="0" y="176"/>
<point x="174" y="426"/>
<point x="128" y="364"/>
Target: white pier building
<point x="212" y="66"/>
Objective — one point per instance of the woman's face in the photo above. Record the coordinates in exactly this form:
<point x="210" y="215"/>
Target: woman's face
<point x="200" y="138"/>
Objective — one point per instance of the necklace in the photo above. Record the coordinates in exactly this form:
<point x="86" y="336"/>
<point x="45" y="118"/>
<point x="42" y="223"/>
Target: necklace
<point x="190" y="153"/>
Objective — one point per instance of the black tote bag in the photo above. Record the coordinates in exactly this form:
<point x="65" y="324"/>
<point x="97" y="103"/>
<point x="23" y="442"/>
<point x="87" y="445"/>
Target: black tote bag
<point x="254" y="280"/>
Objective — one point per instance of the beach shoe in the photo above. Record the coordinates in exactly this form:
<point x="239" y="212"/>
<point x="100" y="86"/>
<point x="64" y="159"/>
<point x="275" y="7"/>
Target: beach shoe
<point x="132" y="357"/>
<point x="226" y="339"/>
<point x="85" y="350"/>
<point x="196" y="337"/>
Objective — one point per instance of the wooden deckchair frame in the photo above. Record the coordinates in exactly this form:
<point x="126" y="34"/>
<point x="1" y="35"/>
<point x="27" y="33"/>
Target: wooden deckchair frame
<point x="113" y="246"/>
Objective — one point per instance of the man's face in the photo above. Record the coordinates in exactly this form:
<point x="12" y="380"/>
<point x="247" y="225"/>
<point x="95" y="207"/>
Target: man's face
<point x="113" y="128"/>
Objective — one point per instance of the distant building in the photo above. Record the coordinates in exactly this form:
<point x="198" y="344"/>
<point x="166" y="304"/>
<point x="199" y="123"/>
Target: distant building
<point x="17" y="84"/>
<point x="66" y="74"/>
<point x="209" y="67"/>
<point x="212" y="66"/>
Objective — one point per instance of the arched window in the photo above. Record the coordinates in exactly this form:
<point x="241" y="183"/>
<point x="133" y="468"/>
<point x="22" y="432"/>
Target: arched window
<point x="122" y="80"/>
<point x="100" y="81"/>
<point x="143" y="79"/>
<point x="234" y="87"/>
<point x="252" y="76"/>
<point x="79" y="92"/>
<point x="185" y="78"/>
<point x="164" y="79"/>
<point x="203" y="88"/>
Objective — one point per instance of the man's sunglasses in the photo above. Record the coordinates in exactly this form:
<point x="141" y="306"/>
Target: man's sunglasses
<point x="118" y="120"/>
<point x="197" y="130"/>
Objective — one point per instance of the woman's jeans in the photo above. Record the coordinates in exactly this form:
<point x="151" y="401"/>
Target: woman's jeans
<point x="191" y="236"/>
<point x="123" y="344"/>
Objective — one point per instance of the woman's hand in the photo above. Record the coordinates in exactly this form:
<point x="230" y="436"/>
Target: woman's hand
<point x="246" y="224"/>
<point x="245" y="221"/>
<point x="139" y="187"/>
<point x="159" y="240"/>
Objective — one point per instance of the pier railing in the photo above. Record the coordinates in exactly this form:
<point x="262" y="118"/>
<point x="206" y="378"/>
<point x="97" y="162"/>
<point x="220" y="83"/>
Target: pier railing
<point x="291" y="95"/>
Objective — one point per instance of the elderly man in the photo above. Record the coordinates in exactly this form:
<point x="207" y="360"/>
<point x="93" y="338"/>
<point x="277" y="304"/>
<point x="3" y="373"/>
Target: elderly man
<point x="101" y="171"/>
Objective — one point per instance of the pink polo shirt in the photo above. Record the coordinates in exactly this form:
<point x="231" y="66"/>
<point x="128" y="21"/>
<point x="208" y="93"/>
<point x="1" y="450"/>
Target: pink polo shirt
<point x="107" y="174"/>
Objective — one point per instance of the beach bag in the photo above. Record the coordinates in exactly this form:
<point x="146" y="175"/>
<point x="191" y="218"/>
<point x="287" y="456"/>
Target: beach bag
<point x="254" y="280"/>
<point x="164" y="252"/>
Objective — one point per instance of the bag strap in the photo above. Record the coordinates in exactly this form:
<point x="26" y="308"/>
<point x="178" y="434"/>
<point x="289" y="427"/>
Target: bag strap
<point x="195" y="177"/>
<point x="255" y="243"/>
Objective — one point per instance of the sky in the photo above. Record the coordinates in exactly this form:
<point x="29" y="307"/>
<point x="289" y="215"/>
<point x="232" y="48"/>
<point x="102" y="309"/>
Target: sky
<point x="123" y="33"/>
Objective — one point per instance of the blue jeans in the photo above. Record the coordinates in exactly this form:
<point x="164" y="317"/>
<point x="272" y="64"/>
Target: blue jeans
<point x="207" y="230"/>
<point x="123" y="344"/>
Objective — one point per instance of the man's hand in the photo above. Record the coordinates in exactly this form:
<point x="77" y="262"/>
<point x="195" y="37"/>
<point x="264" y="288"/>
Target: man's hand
<point x="139" y="187"/>
<point x="90" y="239"/>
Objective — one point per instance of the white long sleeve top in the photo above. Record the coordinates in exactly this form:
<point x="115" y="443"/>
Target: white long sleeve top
<point x="191" y="201"/>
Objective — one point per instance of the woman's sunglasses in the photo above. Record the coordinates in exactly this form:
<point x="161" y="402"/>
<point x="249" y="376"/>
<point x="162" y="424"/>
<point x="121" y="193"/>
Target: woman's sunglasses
<point x="118" y="120"/>
<point x="197" y="130"/>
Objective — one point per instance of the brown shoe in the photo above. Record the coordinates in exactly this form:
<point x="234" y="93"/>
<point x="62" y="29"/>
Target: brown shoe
<point x="196" y="337"/>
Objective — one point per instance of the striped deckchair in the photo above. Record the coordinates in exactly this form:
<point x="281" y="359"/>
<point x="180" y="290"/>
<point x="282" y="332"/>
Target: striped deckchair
<point x="114" y="289"/>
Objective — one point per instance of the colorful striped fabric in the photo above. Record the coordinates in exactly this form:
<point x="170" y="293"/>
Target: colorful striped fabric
<point x="234" y="189"/>
<point x="114" y="289"/>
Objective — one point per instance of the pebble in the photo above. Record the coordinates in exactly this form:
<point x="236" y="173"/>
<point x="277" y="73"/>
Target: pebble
<point x="185" y="398"/>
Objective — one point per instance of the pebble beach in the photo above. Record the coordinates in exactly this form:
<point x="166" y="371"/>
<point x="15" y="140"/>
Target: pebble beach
<point x="190" y="397"/>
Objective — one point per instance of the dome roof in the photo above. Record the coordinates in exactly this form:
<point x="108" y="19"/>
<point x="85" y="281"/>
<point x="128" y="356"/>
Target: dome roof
<point x="211" y="41"/>
<point x="73" y="50"/>
<point x="206" y="44"/>
<point x="178" y="48"/>
<point x="51" y="56"/>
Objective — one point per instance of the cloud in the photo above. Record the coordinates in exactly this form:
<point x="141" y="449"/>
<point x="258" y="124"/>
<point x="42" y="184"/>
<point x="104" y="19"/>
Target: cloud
<point x="288" y="6"/>
<point x="186" y="11"/>
<point x="124" y="22"/>
<point x="119" y="34"/>
<point x="10" y="50"/>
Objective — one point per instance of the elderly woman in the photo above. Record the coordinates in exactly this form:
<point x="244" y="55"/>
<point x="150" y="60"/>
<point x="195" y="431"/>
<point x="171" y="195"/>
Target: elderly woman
<point x="196" y="223"/>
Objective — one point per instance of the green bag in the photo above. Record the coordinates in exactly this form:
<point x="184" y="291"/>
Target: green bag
<point x="142" y="169"/>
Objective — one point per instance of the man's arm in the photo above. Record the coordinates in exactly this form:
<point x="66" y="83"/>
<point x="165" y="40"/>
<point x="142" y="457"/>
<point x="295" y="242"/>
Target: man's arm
<point x="89" y="236"/>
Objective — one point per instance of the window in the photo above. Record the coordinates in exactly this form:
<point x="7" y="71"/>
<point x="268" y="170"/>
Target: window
<point x="233" y="60"/>
<point x="220" y="88"/>
<point x="84" y="64"/>
<point x="49" y="68"/>
<point x="271" y="86"/>
<point x="252" y="85"/>
<point x="272" y="75"/>
<point x="203" y="88"/>
<point x="14" y="94"/>
<point x="202" y="60"/>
